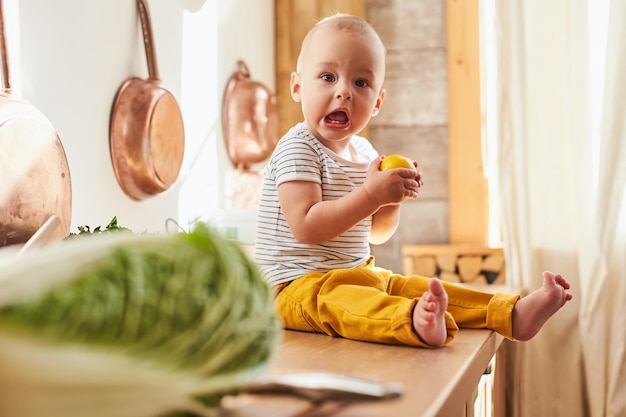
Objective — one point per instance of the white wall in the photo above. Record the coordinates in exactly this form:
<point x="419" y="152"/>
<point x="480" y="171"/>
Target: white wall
<point x="71" y="56"/>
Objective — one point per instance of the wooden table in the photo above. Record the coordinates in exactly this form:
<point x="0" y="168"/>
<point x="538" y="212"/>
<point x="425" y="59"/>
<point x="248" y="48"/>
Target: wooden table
<point x="437" y="382"/>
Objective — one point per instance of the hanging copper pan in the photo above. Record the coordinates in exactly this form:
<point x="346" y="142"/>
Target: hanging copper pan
<point x="249" y="119"/>
<point x="34" y="174"/>
<point x="147" y="137"/>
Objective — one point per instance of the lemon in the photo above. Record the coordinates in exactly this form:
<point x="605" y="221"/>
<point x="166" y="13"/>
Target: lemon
<point x="396" y="161"/>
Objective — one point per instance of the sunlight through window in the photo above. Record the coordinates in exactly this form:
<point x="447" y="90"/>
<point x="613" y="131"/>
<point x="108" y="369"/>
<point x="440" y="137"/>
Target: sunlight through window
<point x="597" y="36"/>
<point x="488" y="111"/>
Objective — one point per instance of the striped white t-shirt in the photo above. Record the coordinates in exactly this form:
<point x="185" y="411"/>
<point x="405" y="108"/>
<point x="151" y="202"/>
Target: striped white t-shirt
<point x="299" y="156"/>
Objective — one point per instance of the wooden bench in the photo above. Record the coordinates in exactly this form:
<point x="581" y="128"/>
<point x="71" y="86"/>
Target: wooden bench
<point x="443" y="382"/>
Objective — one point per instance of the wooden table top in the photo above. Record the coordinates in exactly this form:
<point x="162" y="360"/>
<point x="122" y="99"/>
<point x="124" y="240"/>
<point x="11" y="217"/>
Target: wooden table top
<point x="437" y="382"/>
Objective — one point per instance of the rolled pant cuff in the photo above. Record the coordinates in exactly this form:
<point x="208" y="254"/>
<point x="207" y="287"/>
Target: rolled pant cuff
<point x="500" y="314"/>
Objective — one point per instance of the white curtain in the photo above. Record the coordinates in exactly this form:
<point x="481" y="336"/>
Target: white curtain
<point x="603" y="257"/>
<point x="562" y="182"/>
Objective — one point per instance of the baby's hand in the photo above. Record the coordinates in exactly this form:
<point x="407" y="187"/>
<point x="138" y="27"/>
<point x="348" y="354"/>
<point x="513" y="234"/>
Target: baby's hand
<point x="395" y="161"/>
<point x="392" y="186"/>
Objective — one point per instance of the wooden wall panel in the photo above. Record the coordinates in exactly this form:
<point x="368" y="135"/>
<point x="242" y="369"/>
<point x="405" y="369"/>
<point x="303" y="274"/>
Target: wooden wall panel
<point x="468" y="186"/>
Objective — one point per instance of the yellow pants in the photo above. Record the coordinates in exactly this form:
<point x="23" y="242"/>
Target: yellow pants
<point x="373" y="304"/>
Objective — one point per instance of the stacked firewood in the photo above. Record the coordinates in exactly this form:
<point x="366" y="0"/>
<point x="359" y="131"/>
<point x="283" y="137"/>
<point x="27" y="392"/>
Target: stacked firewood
<point x="456" y="263"/>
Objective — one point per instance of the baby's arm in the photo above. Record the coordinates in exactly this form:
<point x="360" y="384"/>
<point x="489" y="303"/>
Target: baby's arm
<point x="384" y="224"/>
<point x="386" y="220"/>
<point x="313" y="220"/>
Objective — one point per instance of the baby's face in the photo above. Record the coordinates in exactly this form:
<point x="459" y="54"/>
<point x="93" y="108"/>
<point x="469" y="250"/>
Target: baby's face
<point x="339" y="83"/>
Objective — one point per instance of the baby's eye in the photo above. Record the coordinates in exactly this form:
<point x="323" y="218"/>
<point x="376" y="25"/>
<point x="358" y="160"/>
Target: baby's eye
<point x="361" y="83"/>
<point x="328" y="77"/>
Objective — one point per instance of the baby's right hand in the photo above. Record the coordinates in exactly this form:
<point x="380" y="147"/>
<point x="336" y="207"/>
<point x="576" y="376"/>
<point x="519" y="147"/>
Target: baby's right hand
<point x="391" y="186"/>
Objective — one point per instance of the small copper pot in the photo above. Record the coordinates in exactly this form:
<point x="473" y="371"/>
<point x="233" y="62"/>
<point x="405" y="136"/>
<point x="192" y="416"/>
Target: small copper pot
<point x="147" y="137"/>
<point x="34" y="174"/>
<point x="249" y="119"/>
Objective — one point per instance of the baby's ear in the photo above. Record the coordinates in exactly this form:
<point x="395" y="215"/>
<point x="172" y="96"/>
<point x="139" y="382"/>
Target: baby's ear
<point x="295" y="86"/>
<point x="379" y="102"/>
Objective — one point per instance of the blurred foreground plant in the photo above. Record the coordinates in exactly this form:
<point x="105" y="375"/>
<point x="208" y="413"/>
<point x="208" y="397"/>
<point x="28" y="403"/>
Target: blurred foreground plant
<point x="127" y="325"/>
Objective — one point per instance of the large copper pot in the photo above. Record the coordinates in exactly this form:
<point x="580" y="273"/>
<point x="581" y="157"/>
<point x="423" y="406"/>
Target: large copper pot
<point x="147" y="137"/>
<point x="35" y="179"/>
<point x="249" y="119"/>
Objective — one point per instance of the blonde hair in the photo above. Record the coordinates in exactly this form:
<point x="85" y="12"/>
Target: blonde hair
<point x="342" y="22"/>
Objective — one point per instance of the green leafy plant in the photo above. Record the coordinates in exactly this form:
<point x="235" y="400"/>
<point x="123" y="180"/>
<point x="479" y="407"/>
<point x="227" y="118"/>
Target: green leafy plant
<point x="131" y="325"/>
<point x="113" y="226"/>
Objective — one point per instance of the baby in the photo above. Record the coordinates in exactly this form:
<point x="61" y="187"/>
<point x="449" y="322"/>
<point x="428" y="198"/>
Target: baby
<point x="325" y="200"/>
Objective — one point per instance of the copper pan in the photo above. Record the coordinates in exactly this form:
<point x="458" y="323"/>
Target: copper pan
<point x="249" y="119"/>
<point x="34" y="174"/>
<point x="147" y="137"/>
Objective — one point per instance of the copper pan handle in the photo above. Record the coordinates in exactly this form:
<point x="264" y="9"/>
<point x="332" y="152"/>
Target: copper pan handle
<point x="4" y="51"/>
<point x="242" y="70"/>
<point x="148" y="40"/>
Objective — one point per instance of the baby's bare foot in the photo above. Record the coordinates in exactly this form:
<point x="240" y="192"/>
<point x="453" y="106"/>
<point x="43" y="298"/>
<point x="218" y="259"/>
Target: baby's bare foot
<point x="533" y="311"/>
<point x="428" y="316"/>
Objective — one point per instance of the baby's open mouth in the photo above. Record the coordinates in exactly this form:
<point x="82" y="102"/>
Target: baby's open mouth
<point x="337" y="118"/>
